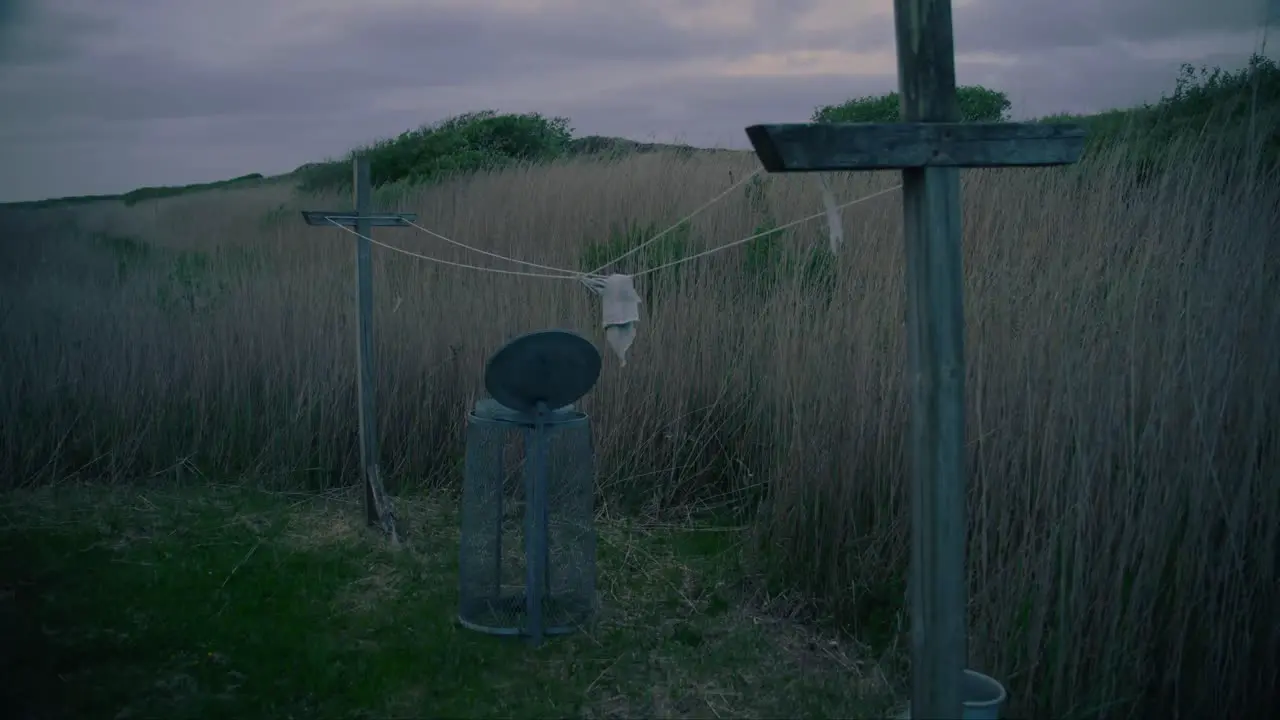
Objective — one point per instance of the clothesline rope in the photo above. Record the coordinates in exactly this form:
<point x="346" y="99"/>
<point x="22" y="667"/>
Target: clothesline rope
<point x="766" y="233"/>
<point x="620" y="303"/>
<point x="568" y="274"/>
<point x="450" y="263"/>
<point x="682" y="221"/>
<point x="572" y="275"/>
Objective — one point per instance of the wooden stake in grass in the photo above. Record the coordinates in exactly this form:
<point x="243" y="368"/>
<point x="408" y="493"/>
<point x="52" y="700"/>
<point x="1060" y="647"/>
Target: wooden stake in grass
<point x="376" y="504"/>
<point x="930" y="147"/>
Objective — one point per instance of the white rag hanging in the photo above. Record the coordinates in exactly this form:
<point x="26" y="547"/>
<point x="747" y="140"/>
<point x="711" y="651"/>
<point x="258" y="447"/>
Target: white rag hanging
<point x="620" y="308"/>
<point x="835" y="231"/>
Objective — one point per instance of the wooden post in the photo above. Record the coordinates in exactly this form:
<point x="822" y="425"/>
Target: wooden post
<point x="377" y="506"/>
<point x="929" y="146"/>
<point x="362" y="195"/>
<point x="935" y="364"/>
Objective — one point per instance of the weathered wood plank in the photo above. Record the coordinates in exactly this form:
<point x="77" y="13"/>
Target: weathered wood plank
<point x="348" y="218"/>
<point x="810" y="147"/>
<point x="935" y="363"/>
<point x="377" y="503"/>
<point x="363" y="191"/>
<point x="930" y="147"/>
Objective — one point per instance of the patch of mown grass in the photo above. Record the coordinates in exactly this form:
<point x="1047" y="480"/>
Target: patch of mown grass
<point x="229" y="602"/>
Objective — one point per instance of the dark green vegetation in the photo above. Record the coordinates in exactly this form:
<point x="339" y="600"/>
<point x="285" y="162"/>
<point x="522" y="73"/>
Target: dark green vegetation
<point x="1240" y="106"/>
<point x="469" y="143"/>
<point x="466" y="143"/>
<point x="977" y="104"/>
<point x="209" y="602"/>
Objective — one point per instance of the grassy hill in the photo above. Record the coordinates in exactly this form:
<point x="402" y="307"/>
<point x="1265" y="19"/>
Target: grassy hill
<point x="1241" y="107"/>
<point x="134" y="197"/>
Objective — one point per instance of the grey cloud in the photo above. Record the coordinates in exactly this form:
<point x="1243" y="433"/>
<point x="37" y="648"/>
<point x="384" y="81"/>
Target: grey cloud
<point x="1080" y="80"/>
<point x="38" y="32"/>
<point x="407" y="49"/>
<point x="616" y="32"/>
<point x="167" y="153"/>
<point x="1016" y="26"/>
<point x="131" y="87"/>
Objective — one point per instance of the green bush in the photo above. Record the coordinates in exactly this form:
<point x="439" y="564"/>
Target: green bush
<point x="977" y="104"/>
<point x="1231" y="107"/>
<point x="465" y="143"/>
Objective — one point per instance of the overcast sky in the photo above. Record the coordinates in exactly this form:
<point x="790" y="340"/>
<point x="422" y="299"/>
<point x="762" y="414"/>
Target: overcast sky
<point x="102" y="96"/>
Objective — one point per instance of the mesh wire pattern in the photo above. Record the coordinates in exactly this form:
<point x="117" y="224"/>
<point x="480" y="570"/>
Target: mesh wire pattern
<point x="492" y="561"/>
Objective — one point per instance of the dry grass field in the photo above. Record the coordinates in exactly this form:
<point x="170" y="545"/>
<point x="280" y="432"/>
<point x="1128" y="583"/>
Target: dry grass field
<point x="1123" y="389"/>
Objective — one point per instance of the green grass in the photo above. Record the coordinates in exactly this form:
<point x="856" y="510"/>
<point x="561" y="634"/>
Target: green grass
<point x="231" y="602"/>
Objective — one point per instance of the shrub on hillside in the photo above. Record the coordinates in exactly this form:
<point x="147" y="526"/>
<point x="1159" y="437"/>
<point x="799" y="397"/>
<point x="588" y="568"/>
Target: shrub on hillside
<point x="977" y="104"/>
<point x="464" y="143"/>
<point x="1241" y="106"/>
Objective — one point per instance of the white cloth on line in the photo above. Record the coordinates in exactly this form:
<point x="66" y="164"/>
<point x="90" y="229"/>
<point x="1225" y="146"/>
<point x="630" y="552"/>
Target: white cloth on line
<point x="620" y="305"/>
<point x="620" y="338"/>
<point x="835" y="231"/>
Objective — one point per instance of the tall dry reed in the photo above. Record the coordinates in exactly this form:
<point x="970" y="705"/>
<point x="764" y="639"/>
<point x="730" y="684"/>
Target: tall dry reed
<point x="1124" y="442"/>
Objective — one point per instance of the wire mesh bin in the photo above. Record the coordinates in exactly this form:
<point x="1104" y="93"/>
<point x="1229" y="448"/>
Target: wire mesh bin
<point x="494" y="559"/>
